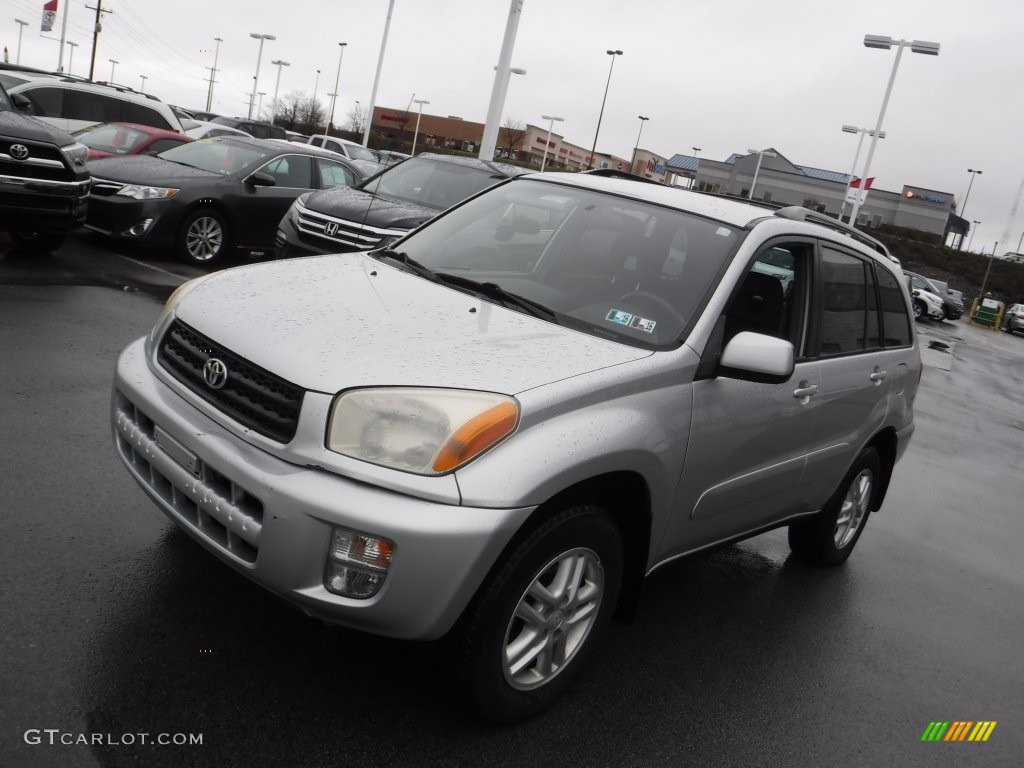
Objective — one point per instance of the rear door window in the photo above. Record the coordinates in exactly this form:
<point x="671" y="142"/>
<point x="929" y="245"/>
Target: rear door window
<point x="46" y="102"/>
<point x="844" y="327"/>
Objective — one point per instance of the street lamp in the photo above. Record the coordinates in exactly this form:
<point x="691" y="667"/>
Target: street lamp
<point x="600" y="115"/>
<point x="761" y="154"/>
<point x="277" y="85"/>
<point x="259" y="107"/>
<point x="419" y="114"/>
<point x="142" y="88"/>
<point x="856" y="156"/>
<point x="21" y="28"/>
<point x="973" y="173"/>
<point x="113" y="63"/>
<point x="971" y="238"/>
<point x="256" y="77"/>
<point x="71" y="55"/>
<point x="380" y="64"/>
<point x="642" y="119"/>
<point x="885" y="43"/>
<point x="551" y="124"/>
<point x="213" y="74"/>
<point x="337" y="79"/>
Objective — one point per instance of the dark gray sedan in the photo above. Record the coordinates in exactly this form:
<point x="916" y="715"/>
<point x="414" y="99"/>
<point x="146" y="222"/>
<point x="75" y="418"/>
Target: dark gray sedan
<point x="207" y="198"/>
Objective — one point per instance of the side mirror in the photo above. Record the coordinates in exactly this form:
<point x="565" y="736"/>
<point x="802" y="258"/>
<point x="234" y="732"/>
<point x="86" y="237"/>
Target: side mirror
<point x="758" y="356"/>
<point x="261" y="179"/>
<point x="21" y="102"/>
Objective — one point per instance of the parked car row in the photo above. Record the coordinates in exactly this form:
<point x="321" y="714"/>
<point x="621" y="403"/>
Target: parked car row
<point x="932" y="299"/>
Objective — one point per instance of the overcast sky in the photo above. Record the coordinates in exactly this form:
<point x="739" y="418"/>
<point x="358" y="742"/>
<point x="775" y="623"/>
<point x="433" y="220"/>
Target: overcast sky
<point x="722" y="75"/>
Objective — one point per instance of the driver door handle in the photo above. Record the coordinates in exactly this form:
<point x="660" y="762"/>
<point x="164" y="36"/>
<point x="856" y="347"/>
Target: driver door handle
<point x="878" y="376"/>
<point x="805" y="390"/>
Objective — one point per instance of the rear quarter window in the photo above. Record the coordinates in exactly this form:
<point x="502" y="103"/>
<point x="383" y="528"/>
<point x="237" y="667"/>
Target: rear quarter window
<point x="895" y="320"/>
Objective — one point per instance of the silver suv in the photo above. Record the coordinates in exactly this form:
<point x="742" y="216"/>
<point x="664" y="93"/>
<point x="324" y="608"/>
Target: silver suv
<point x="498" y="427"/>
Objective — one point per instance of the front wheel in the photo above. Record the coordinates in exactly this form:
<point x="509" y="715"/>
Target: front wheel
<point x="38" y="242"/>
<point x="533" y="625"/>
<point x="829" y="537"/>
<point x="203" y="237"/>
<point x="918" y="310"/>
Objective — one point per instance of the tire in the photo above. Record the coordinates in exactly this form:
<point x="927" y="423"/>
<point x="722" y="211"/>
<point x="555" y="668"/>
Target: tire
<point x="580" y="545"/>
<point x="829" y="537"/>
<point x="944" y="315"/>
<point x="203" y="238"/>
<point x="38" y="242"/>
<point x="919" y="310"/>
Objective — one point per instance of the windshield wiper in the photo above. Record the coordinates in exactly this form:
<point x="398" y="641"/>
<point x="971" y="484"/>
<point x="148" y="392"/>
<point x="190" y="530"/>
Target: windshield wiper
<point x="495" y="291"/>
<point x="406" y="260"/>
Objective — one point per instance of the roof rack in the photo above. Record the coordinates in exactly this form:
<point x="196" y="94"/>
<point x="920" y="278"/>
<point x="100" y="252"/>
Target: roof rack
<point x="614" y="173"/>
<point x="799" y="213"/>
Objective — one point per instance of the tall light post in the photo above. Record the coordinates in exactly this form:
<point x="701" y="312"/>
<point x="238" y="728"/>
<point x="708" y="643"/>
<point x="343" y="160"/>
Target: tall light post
<point x="259" y="106"/>
<point x="312" y="103"/>
<point x="71" y="53"/>
<point x="259" y="59"/>
<point x="551" y="124"/>
<point x="142" y="88"/>
<point x="600" y="115"/>
<point x="971" y="238"/>
<point x="885" y="43"/>
<point x="963" y="208"/>
<point x="856" y="156"/>
<point x="502" y="74"/>
<point x="419" y="114"/>
<point x="761" y="155"/>
<point x="21" y="28"/>
<point x="213" y="74"/>
<point x="642" y="119"/>
<point x="277" y="85"/>
<point x="113" y="63"/>
<point x="380" y="65"/>
<point x="337" y="79"/>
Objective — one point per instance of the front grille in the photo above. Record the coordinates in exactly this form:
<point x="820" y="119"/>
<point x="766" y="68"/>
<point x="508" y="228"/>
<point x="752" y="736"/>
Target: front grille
<point x="211" y="503"/>
<point x="38" y="202"/>
<point x="256" y="398"/>
<point x="44" y="161"/>
<point x="313" y="228"/>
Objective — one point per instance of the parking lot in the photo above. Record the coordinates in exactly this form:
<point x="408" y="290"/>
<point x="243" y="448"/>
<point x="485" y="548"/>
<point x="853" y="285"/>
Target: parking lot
<point x="118" y="624"/>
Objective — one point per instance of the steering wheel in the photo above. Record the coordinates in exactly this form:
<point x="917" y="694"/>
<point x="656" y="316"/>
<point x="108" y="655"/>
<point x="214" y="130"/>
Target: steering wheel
<point x="653" y="299"/>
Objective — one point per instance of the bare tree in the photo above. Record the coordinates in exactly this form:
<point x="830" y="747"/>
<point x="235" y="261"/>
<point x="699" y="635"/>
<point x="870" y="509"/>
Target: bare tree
<point x="355" y="119"/>
<point x="513" y="133"/>
<point x="290" y="109"/>
<point x="312" y="115"/>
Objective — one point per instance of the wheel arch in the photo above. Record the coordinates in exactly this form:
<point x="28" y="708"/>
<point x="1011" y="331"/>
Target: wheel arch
<point x="885" y="444"/>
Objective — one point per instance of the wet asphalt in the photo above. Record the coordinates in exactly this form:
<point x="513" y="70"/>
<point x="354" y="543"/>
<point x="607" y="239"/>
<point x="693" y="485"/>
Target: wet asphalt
<point x="116" y="624"/>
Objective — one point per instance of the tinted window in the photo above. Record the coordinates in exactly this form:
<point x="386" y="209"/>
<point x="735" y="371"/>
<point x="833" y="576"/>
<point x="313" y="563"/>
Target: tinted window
<point x="217" y="155"/>
<point x="843" y="303"/>
<point x="334" y="174"/>
<point x="294" y="171"/>
<point x="46" y="102"/>
<point x="772" y="298"/>
<point x="140" y="113"/>
<point x="895" y="321"/>
<point x="161" y="144"/>
<point x="79" y="105"/>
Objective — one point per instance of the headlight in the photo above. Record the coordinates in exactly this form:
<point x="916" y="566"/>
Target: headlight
<point x="296" y="208"/>
<point x="141" y="192"/>
<point x="173" y="300"/>
<point x="426" y="431"/>
<point x="77" y="153"/>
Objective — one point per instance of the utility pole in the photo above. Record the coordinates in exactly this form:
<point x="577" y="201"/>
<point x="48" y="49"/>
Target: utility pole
<point x="213" y="74"/>
<point x="96" y="34"/>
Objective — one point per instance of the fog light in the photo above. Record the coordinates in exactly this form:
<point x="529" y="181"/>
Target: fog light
<point x="138" y="229"/>
<point x="357" y="563"/>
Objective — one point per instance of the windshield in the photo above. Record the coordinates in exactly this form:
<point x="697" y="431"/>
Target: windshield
<point x="221" y="156"/>
<point x="611" y="266"/>
<point x="431" y="183"/>
<point x="116" y="139"/>
<point x="359" y="152"/>
<point x="5" y="102"/>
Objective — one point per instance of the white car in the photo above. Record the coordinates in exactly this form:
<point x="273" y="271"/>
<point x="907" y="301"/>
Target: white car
<point x="927" y="305"/>
<point x="201" y="129"/>
<point x="364" y="159"/>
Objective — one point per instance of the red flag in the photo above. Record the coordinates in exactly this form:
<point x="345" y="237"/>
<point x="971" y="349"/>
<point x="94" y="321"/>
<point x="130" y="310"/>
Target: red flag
<point x="49" y="15"/>
<point x="867" y="184"/>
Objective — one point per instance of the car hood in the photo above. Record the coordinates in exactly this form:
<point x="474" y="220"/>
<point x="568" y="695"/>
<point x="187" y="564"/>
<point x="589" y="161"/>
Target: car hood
<point x="145" y="169"/>
<point x="333" y="322"/>
<point x="382" y="211"/>
<point x="19" y="126"/>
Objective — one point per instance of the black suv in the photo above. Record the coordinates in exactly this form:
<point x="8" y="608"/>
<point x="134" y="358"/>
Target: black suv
<point x="44" y="184"/>
<point x="385" y="206"/>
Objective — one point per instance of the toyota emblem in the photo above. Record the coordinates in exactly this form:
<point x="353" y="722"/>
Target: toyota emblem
<point x="215" y="373"/>
<point x="331" y="229"/>
<point x="19" y="151"/>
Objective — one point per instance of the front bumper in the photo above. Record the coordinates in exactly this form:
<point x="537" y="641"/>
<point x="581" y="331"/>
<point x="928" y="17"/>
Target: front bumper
<point x="116" y="216"/>
<point x="272" y="520"/>
<point x="40" y="205"/>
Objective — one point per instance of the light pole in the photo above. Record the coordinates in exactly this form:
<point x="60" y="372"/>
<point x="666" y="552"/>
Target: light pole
<point x="337" y="79"/>
<point x="502" y="74"/>
<point x="312" y="103"/>
<point x="642" y="119"/>
<point x="21" y="28"/>
<point x="600" y="115"/>
<point x="213" y="74"/>
<point x="259" y="58"/>
<point x="761" y="154"/>
<point x="856" y="156"/>
<point x="142" y="88"/>
<point x="419" y="114"/>
<point x="967" y="197"/>
<point x="551" y="124"/>
<point x="885" y="43"/>
<point x="971" y="238"/>
<point x="113" y="63"/>
<point x="277" y="85"/>
<point x="380" y="64"/>
<point x="71" y="54"/>
<point x="259" y="106"/>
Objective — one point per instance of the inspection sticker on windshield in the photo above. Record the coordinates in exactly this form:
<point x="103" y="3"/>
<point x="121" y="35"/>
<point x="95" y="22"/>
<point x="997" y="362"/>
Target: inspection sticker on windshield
<point x="619" y="317"/>
<point x="642" y="324"/>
